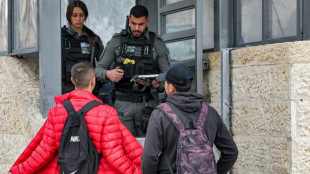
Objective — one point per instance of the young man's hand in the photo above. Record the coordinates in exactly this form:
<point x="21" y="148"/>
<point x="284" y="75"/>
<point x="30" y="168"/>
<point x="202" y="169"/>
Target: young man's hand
<point x="155" y="83"/>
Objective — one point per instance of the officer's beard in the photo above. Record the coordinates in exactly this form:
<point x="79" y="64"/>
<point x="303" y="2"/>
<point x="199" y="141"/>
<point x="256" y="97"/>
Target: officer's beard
<point x="141" y="34"/>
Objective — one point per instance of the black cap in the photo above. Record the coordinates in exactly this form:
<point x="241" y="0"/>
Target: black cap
<point x="177" y="74"/>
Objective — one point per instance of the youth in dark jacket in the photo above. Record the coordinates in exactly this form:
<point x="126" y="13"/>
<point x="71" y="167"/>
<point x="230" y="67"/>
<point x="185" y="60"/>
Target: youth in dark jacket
<point x="162" y="136"/>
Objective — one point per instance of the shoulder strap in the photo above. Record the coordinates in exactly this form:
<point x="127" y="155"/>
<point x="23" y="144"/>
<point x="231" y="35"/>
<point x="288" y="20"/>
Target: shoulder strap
<point x="68" y="106"/>
<point x="177" y="122"/>
<point x="166" y="109"/>
<point x="202" y="116"/>
<point x="152" y="36"/>
<point x="168" y="163"/>
<point x="89" y="106"/>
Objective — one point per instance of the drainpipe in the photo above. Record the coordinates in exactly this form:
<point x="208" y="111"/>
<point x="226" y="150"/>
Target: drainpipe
<point x="226" y="103"/>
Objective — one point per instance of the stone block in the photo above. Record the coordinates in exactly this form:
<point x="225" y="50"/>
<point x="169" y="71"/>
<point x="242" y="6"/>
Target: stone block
<point x="300" y="82"/>
<point x="261" y="83"/>
<point x="4" y="168"/>
<point x="301" y="115"/>
<point x="300" y="155"/>
<point x="260" y="55"/>
<point x="22" y="72"/>
<point x="214" y="60"/>
<point x="261" y="154"/>
<point x="261" y="118"/>
<point x="213" y="85"/>
<point x="11" y="147"/>
<point x="253" y="153"/>
<point x="280" y="156"/>
<point x="299" y="52"/>
<point x="11" y="123"/>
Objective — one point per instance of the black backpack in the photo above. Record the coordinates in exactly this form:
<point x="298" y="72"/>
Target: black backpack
<point x="77" y="153"/>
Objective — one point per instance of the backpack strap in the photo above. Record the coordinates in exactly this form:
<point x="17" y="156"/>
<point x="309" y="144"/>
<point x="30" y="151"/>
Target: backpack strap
<point x="69" y="107"/>
<point x="202" y="116"/>
<point x="168" y="163"/>
<point x="166" y="109"/>
<point x="177" y="122"/>
<point x="89" y="106"/>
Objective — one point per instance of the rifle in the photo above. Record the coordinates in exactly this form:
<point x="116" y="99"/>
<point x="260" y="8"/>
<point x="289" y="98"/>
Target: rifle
<point x="124" y="32"/>
<point x="148" y="76"/>
<point x="92" y="56"/>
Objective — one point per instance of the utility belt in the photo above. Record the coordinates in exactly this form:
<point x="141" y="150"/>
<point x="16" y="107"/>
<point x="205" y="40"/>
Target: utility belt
<point x="132" y="97"/>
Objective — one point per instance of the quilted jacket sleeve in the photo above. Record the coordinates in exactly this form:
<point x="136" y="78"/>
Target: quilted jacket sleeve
<point x="39" y="152"/>
<point x="120" y="149"/>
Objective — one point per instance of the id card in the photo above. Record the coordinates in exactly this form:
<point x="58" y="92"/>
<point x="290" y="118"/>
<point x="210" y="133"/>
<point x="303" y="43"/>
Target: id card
<point x="84" y="48"/>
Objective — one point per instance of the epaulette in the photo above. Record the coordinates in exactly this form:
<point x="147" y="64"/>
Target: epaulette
<point x="70" y="32"/>
<point x="64" y="27"/>
<point x="116" y="34"/>
<point x="155" y="35"/>
<point x="159" y="37"/>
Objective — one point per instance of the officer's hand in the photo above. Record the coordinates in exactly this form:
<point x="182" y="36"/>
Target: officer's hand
<point x="143" y="81"/>
<point x="155" y="83"/>
<point x="115" y="75"/>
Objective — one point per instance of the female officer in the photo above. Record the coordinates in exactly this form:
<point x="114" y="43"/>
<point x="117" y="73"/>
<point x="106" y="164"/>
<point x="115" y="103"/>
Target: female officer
<point x="78" y="44"/>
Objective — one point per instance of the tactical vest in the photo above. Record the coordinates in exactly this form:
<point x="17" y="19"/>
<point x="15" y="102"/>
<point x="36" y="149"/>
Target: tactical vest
<point x="74" y="50"/>
<point x="135" y="58"/>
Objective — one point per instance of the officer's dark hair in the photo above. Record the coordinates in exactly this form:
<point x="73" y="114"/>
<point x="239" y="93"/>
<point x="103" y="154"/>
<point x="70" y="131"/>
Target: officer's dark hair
<point x="185" y="88"/>
<point x="82" y="73"/>
<point x="72" y="5"/>
<point x="139" y="11"/>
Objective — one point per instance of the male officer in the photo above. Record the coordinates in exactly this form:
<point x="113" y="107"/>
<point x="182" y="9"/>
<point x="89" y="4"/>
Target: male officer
<point x="137" y="51"/>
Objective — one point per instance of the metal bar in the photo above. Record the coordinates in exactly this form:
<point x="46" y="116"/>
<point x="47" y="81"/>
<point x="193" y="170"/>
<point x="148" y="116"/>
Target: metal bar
<point x="238" y="22"/>
<point x="300" y="16"/>
<point x="138" y="2"/>
<point x="49" y="54"/>
<point x="176" y="6"/>
<point x="179" y="35"/>
<point x="221" y="24"/>
<point x="159" y="18"/>
<point x="10" y="25"/>
<point x="225" y="87"/>
<point x="199" y="46"/>
<point x="24" y="51"/>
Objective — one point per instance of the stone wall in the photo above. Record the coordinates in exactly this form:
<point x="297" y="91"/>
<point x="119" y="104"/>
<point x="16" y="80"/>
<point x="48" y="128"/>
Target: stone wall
<point x="20" y="117"/>
<point x="271" y="116"/>
<point x="270" y="93"/>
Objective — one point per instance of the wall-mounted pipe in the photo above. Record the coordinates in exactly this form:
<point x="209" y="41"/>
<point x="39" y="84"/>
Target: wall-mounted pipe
<point x="226" y="103"/>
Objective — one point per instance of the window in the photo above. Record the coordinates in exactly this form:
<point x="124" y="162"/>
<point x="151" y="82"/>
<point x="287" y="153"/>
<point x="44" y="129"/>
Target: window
<point x="281" y="18"/>
<point x="179" y="21"/>
<point x="182" y="50"/>
<point x="208" y="24"/>
<point x="266" y="21"/>
<point x="251" y="21"/>
<point x="25" y="25"/>
<point x="186" y="20"/>
<point x="166" y="2"/>
<point x="105" y="17"/>
<point x="4" y="25"/>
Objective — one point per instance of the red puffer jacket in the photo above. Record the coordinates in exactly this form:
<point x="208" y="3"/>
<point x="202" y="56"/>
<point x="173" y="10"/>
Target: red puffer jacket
<point x="121" y="151"/>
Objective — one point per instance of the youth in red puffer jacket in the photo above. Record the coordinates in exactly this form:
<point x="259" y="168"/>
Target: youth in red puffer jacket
<point x="121" y="151"/>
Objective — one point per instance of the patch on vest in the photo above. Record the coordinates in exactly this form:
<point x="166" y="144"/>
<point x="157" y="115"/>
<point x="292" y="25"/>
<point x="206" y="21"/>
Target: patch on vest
<point x="84" y="48"/>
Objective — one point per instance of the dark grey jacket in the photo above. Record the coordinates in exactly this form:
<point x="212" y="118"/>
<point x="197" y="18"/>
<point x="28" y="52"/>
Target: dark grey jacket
<point x="162" y="136"/>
